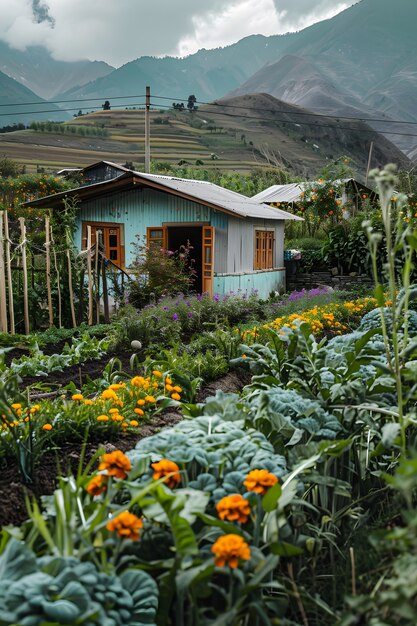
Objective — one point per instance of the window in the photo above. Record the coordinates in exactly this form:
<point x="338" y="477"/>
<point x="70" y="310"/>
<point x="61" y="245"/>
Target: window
<point x="264" y="250"/>
<point x="157" y="236"/>
<point x="112" y="240"/>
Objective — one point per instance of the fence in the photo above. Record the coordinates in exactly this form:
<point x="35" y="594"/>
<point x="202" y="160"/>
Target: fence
<point x="37" y="282"/>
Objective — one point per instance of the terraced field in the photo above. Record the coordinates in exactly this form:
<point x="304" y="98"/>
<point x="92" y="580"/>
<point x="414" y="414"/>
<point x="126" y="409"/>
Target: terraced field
<point x="172" y="141"/>
<point x="234" y="135"/>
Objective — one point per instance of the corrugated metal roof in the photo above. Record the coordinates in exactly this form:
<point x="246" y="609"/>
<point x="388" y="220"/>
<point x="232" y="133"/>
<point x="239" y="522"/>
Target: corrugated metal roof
<point x="292" y="192"/>
<point x="231" y="201"/>
<point x="200" y="191"/>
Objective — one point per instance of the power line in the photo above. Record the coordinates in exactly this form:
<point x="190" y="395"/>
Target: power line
<point x="211" y="104"/>
<point x="60" y="110"/>
<point x="21" y="104"/>
<point x="291" y="112"/>
<point x="314" y="124"/>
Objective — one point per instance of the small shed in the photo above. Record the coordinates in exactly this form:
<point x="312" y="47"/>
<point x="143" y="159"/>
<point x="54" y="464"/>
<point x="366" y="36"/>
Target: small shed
<point x="291" y="194"/>
<point x="238" y="243"/>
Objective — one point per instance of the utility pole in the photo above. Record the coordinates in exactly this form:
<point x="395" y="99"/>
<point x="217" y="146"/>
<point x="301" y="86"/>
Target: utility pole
<point x="371" y="147"/>
<point x="147" y="131"/>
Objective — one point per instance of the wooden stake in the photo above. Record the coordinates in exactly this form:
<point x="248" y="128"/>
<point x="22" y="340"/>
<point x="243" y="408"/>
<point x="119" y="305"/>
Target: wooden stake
<point x="48" y="272"/>
<point x="104" y="278"/>
<point x="23" y="244"/>
<point x="9" y="273"/>
<point x="90" y="278"/>
<point x="97" y="277"/>
<point x="58" y="280"/>
<point x="3" y="307"/>
<point x="70" y="289"/>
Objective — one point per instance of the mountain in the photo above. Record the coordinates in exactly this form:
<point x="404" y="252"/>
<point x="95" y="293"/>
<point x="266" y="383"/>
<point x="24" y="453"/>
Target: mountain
<point x="20" y="104"/>
<point x="364" y="57"/>
<point x="362" y="62"/>
<point x="37" y="70"/>
<point x="208" y="73"/>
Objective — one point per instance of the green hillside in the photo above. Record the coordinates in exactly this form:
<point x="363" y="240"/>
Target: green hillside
<point x="20" y="104"/>
<point x="239" y="134"/>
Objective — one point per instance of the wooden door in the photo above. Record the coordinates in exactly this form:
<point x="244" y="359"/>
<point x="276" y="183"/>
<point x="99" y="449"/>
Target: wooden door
<point x="208" y="259"/>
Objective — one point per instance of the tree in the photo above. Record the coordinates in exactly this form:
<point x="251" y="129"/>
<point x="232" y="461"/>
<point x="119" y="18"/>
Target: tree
<point x="191" y="103"/>
<point x="106" y="106"/>
<point x="179" y="106"/>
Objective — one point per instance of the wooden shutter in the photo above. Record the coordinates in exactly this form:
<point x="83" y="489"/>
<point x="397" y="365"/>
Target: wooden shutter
<point x="208" y="259"/>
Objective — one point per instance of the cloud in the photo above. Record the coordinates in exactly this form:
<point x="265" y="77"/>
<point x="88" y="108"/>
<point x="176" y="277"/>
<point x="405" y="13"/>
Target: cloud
<point x="120" y="31"/>
<point x="297" y="14"/>
<point x="238" y="20"/>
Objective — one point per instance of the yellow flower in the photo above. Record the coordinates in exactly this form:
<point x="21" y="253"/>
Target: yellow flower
<point x="88" y="402"/>
<point x="97" y="485"/>
<point x="229" y="550"/>
<point x="165" y="468"/>
<point x="102" y="418"/>
<point x="157" y="373"/>
<point x="16" y="406"/>
<point x="141" y="402"/>
<point x="177" y="389"/>
<point x="233" y="508"/>
<point x="77" y="396"/>
<point x="111" y="411"/>
<point x="47" y="427"/>
<point x="139" y="411"/>
<point x="260" y="481"/>
<point x="175" y="396"/>
<point x="116" y="463"/>
<point x="109" y="394"/>
<point x="150" y="399"/>
<point x="126" y="525"/>
<point x="134" y="423"/>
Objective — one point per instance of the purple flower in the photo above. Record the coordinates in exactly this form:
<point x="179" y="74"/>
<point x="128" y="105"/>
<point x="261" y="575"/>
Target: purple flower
<point x="216" y="297"/>
<point x="189" y="314"/>
<point x="175" y="317"/>
<point x="165" y="308"/>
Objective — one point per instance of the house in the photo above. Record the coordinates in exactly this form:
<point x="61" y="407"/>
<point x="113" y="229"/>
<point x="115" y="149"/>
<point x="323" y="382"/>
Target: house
<point x="238" y="243"/>
<point x="352" y="191"/>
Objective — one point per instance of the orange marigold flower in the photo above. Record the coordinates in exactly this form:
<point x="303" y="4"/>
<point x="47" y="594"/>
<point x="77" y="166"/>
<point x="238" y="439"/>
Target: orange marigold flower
<point x="164" y="468"/>
<point x="139" y="411"/>
<point x="150" y="399"/>
<point x="109" y="394"/>
<point x="47" y="427"/>
<point x="140" y="402"/>
<point x="126" y="525"/>
<point x="178" y="389"/>
<point x="229" y="549"/>
<point x="134" y="423"/>
<point x="260" y="481"/>
<point x="102" y="418"/>
<point x="233" y="508"/>
<point x="77" y="396"/>
<point x="175" y="396"/>
<point x="157" y="373"/>
<point x="116" y="463"/>
<point x="97" y="485"/>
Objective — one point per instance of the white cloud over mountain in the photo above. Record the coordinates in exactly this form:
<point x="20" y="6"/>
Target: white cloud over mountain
<point x="120" y="31"/>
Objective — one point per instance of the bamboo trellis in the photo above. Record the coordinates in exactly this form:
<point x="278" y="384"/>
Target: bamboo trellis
<point x="15" y="257"/>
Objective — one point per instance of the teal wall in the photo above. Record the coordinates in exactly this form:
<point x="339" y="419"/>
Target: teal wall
<point x="139" y="208"/>
<point x="262" y="282"/>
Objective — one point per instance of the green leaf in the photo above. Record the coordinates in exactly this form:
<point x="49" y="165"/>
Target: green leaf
<point x="270" y="499"/>
<point x="390" y="432"/>
<point x="285" y="549"/>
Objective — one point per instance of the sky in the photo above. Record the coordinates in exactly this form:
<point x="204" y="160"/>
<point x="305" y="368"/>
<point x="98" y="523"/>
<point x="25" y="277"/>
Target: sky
<point x="118" y="31"/>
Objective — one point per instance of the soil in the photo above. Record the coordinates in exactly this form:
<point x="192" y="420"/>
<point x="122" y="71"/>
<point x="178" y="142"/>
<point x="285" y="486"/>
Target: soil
<point x="13" y="489"/>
